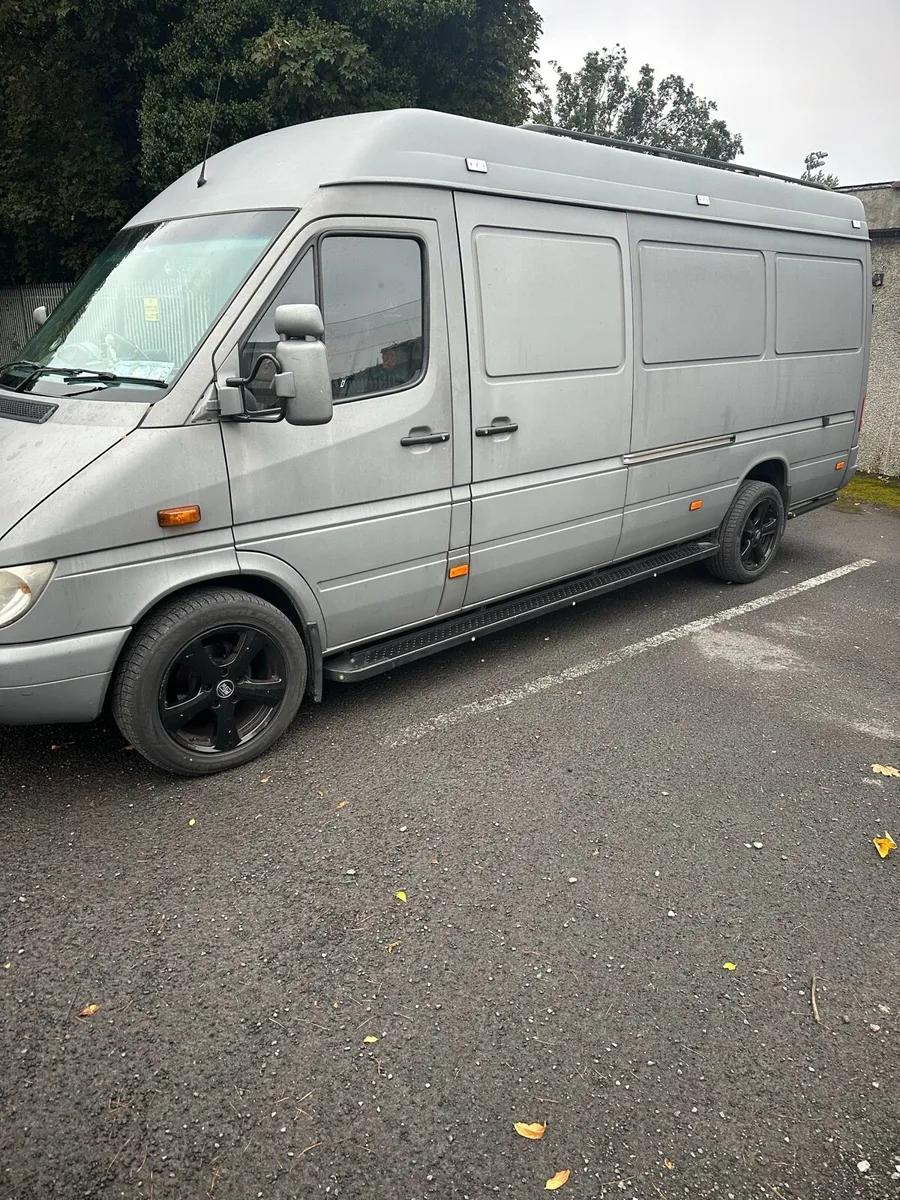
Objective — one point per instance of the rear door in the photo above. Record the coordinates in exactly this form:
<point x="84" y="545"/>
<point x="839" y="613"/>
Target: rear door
<point x="547" y="292"/>
<point x="359" y="507"/>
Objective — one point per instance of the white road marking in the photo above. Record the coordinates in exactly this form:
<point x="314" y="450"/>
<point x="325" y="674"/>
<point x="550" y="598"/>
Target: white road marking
<point x="478" y="708"/>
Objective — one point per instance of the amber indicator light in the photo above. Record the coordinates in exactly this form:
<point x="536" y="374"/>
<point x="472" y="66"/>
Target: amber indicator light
<point x="695" y="504"/>
<point x="840" y="465"/>
<point x="189" y="514"/>
<point x="458" y="572"/>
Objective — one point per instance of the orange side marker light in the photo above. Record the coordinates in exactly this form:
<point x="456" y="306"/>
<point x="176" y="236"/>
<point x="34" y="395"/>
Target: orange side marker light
<point x="840" y="465"/>
<point x="189" y="514"/>
<point x="695" y="504"/>
<point x="458" y="572"/>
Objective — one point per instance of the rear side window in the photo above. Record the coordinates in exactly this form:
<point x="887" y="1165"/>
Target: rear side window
<point x="371" y="293"/>
<point x="550" y="303"/>
<point x="700" y="303"/>
<point x="818" y="304"/>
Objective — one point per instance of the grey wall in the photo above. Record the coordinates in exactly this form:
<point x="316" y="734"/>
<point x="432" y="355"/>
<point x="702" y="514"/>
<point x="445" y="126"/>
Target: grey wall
<point x="879" y="450"/>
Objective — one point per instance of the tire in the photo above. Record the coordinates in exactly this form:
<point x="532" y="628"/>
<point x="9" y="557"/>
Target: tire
<point x="209" y="681"/>
<point x="751" y="533"/>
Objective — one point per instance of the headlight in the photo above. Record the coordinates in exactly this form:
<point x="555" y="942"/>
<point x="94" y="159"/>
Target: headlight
<point x="20" y="588"/>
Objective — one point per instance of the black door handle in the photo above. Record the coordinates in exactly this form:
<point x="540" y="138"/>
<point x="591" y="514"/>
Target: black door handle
<point x="491" y="430"/>
<point x="424" y="439"/>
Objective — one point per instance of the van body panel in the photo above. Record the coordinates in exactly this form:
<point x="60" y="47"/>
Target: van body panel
<point x="35" y="460"/>
<point x="114" y="501"/>
<point x="545" y="503"/>
<point x="85" y="597"/>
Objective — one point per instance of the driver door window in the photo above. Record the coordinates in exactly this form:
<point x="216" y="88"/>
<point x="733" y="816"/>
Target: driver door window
<point x="370" y="291"/>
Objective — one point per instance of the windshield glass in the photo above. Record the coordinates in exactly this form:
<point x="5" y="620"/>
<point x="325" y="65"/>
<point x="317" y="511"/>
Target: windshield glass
<point x="130" y="324"/>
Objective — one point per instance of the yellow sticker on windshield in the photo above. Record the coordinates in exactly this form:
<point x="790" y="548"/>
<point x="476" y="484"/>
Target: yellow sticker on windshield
<point x="151" y="308"/>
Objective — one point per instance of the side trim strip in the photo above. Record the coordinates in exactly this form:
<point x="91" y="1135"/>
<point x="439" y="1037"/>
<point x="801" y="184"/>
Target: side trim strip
<point x="645" y="456"/>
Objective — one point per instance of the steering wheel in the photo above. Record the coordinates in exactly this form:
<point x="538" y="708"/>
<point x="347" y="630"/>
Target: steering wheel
<point x="128" y="342"/>
<point x="80" y="354"/>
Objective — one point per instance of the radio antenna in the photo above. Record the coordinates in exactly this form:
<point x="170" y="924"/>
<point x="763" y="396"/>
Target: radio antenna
<point x="202" y="177"/>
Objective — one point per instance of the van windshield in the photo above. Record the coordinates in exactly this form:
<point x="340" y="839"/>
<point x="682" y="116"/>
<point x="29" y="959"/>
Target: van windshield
<point x="130" y="324"/>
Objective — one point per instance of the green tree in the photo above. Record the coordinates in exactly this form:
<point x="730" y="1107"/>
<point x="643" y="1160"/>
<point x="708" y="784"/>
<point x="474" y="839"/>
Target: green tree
<point x="599" y="98"/>
<point x="814" y="162"/>
<point x="103" y="102"/>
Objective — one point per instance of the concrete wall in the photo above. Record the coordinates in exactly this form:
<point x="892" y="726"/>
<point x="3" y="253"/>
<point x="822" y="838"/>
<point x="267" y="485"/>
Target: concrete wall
<point x="879" y="450"/>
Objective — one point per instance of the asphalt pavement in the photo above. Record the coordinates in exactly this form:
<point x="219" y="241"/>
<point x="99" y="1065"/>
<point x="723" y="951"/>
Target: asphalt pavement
<point x="611" y="872"/>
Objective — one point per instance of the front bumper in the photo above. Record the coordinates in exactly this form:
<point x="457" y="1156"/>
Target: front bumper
<point x="60" y="681"/>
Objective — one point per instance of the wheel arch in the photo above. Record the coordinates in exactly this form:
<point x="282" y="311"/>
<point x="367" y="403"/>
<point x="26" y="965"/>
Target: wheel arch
<point x="272" y="580"/>
<point x="774" y="470"/>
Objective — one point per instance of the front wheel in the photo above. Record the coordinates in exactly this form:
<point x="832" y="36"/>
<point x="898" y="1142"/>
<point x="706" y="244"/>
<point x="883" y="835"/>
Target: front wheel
<point x="750" y="534"/>
<point x="209" y="681"/>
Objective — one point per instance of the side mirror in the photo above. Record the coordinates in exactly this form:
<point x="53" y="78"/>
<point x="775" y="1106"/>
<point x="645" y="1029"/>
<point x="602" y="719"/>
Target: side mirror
<point x="39" y="315"/>
<point x="304" y="381"/>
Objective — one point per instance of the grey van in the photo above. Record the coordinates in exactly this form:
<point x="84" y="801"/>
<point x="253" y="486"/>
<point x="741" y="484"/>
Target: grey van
<point x="378" y="385"/>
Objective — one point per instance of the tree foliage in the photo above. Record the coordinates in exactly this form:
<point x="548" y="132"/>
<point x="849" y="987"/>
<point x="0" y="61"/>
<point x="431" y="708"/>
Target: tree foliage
<point x="813" y="163"/>
<point x="599" y="98"/>
<point x="103" y="102"/>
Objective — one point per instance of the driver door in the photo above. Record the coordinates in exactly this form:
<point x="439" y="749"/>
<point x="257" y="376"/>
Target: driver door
<point x="359" y="507"/>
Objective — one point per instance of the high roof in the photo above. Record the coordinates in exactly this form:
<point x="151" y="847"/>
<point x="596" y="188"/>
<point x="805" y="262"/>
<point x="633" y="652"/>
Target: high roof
<point x="412" y="146"/>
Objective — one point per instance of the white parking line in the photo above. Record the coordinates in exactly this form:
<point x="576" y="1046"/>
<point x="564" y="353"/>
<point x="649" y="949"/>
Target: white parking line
<point x="477" y="708"/>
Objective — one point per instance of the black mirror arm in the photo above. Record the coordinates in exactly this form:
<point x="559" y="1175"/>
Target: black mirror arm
<point x="268" y="415"/>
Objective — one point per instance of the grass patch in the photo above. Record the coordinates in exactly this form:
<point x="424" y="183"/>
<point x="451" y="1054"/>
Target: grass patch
<point x="869" y="489"/>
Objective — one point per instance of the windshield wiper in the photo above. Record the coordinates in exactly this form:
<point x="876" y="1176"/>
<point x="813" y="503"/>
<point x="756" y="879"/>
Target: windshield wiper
<point x="79" y="373"/>
<point x="83" y="373"/>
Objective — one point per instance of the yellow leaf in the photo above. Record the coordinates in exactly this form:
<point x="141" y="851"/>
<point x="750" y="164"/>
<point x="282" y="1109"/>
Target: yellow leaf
<point x="669" y="1164"/>
<point x="90" y="1010"/>
<point x="401" y="896"/>
<point x="433" y="862"/>
<point x="265" y="779"/>
<point x="729" y="966"/>
<point x="342" y="803"/>
<point x="557" y="1181"/>
<point x="535" y="1131"/>
<point x="392" y="946"/>
<point x="884" y="845"/>
<point x="6" y="966"/>
<point x="370" y="1040"/>
<point x="880" y="770"/>
<point x="192" y="821"/>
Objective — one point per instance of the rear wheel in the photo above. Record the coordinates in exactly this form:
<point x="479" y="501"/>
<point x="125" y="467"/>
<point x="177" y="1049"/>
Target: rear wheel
<point x="209" y="681"/>
<point x="750" y="534"/>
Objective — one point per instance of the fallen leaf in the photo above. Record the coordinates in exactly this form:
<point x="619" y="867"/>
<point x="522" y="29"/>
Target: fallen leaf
<point x="124" y="748"/>
<point x="192" y="821"/>
<point x="880" y="770"/>
<point x="401" y="896"/>
<point x="392" y="946"/>
<point x="433" y="862"/>
<point x="265" y="779"/>
<point x="884" y="845"/>
<point x="557" y="1181"/>
<point x="89" y="1010"/>
<point x="667" y="1162"/>
<point x="534" y="1131"/>
<point x="6" y="966"/>
<point x="729" y="966"/>
<point x="370" y="1040"/>
<point x="342" y="803"/>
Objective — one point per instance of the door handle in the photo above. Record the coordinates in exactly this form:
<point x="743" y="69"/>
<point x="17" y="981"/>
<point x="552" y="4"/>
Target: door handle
<point x="491" y="430"/>
<point x="424" y="439"/>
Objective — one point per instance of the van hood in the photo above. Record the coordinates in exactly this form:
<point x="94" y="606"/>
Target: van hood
<point x="36" y="459"/>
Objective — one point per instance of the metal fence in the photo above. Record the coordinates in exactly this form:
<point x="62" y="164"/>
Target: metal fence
<point x="16" y="306"/>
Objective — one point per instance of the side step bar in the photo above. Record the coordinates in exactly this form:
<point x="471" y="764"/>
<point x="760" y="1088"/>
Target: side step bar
<point x="352" y="665"/>
<point x="806" y="506"/>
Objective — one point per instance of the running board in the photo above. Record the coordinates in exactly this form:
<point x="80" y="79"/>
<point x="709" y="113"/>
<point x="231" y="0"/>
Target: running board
<point x="353" y="665"/>
<point x="806" y="506"/>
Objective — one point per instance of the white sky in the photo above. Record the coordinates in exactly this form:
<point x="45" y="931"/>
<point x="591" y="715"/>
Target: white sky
<point x="789" y="75"/>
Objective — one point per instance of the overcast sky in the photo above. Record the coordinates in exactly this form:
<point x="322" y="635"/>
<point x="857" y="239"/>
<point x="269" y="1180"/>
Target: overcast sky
<point x="789" y="75"/>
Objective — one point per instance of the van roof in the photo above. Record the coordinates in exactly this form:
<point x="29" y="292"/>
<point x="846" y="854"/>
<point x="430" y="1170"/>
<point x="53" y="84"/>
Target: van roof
<point x="284" y="168"/>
